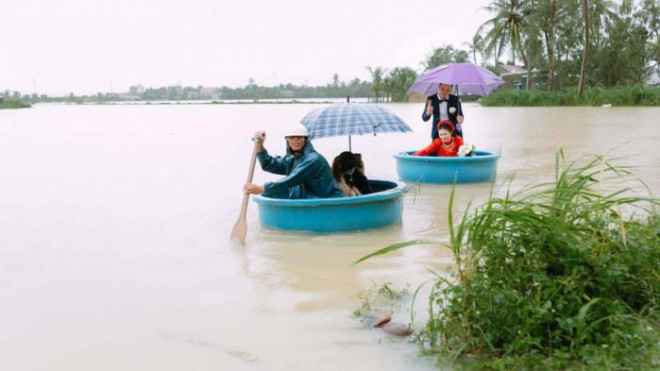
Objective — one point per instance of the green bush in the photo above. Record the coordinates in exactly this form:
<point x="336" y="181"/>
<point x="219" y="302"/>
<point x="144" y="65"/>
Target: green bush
<point x="553" y="277"/>
<point x="12" y="103"/>
<point x="620" y="96"/>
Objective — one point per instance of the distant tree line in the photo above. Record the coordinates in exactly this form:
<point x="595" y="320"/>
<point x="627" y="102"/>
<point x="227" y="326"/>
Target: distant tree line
<point x="335" y="89"/>
<point x="561" y="43"/>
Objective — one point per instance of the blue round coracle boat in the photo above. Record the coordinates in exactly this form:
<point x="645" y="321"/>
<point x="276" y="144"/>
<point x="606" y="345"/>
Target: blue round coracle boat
<point x="447" y="170"/>
<point x="339" y="214"/>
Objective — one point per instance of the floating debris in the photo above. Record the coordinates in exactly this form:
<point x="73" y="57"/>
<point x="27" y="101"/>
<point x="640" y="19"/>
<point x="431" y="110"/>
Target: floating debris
<point x="397" y="329"/>
<point x="376" y="320"/>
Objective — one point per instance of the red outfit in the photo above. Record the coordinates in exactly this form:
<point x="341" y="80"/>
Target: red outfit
<point x="441" y="149"/>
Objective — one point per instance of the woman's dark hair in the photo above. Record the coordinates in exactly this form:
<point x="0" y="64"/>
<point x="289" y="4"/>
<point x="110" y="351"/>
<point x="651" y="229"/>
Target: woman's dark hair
<point x="359" y="164"/>
<point x="345" y="161"/>
<point x="447" y="125"/>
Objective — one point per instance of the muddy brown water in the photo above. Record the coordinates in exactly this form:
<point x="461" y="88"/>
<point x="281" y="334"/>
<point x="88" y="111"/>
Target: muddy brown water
<point x="114" y="226"/>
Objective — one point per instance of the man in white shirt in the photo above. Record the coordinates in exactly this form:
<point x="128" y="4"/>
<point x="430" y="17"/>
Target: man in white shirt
<point x="443" y="106"/>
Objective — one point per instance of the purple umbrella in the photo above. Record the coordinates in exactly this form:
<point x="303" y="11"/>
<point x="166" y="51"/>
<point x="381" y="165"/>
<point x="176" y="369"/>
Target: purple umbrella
<point x="467" y="77"/>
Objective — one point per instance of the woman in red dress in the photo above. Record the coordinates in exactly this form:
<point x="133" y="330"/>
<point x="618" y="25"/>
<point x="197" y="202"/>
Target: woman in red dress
<point x="447" y="143"/>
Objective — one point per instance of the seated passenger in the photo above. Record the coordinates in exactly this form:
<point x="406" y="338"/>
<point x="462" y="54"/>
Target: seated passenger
<point x="359" y="176"/>
<point x="308" y="174"/>
<point x="348" y="173"/>
<point x="447" y="143"/>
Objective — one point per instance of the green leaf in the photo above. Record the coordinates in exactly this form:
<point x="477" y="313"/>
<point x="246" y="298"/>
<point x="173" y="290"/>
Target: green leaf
<point x="389" y="249"/>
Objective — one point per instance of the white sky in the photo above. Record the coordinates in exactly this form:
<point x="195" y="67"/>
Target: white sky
<point x="87" y="46"/>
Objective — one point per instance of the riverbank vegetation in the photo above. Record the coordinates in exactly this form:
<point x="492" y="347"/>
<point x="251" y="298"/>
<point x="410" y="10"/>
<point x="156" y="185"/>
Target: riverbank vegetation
<point x="580" y="44"/>
<point x="616" y="96"/>
<point x="560" y="275"/>
<point x="13" y="103"/>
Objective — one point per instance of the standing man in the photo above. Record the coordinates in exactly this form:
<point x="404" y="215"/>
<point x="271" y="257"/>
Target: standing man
<point x="307" y="173"/>
<point x="443" y="106"/>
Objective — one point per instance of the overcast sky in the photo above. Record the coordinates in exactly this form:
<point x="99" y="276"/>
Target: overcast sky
<point x="87" y="46"/>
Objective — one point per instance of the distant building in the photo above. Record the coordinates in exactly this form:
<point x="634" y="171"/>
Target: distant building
<point x="416" y="97"/>
<point x="136" y="90"/>
<point x="210" y="93"/>
<point x="512" y="75"/>
<point x="510" y="69"/>
<point x="128" y="97"/>
<point x="651" y="76"/>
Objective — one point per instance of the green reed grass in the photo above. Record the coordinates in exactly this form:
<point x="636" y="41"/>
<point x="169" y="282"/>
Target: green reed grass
<point x="559" y="275"/>
<point x="636" y="95"/>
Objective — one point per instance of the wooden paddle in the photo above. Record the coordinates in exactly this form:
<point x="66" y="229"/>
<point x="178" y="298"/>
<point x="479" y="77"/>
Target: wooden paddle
<point x="240" y="228"/>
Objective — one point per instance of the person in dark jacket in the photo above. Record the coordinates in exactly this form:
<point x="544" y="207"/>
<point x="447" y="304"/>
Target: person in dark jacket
<point x="308" y="173"/>
<point x="443" y="106"/>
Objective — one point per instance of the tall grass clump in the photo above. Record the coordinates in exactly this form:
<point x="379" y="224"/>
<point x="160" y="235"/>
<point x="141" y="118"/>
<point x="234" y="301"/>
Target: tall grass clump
<point x="560" y="275"/>
<point x="635" y="95"/>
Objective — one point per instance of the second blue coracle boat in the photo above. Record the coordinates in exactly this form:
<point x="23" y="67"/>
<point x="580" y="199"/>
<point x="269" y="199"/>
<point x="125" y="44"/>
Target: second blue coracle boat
<point x="446" y="170"/>
<point x="340" y="214"/>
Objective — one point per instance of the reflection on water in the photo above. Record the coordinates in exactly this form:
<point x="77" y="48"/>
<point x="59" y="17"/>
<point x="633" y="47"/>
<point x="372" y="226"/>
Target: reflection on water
<point x="115" y="220"/>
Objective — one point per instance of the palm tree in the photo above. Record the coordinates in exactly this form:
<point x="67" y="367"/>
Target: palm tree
<point x="583" y="68"/>
<point x="461" y="56"/>
<point x="550" y="14"/>
<point x="354" y="85"/>
<point x="444" y="55"/>
<point x="401" y="78"/>
<point x="532" y="42"/>
<point x="601" y="14"/>
<point x="476" y="46"/>
<point x="377" y="79"/>
<point x="505" y="29"/>
<point x="335" y="80"/>
<point x="387" y="88"/>
<point x="533" y="46"/>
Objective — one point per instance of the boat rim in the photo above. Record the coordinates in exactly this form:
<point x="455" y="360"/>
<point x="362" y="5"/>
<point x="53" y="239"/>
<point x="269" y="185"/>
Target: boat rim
<point x="388" y="194"/>
<point x="481" y="156"/>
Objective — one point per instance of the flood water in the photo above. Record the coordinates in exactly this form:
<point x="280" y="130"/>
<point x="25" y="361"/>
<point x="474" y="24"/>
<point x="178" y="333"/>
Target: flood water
<point x="115" y="224"/>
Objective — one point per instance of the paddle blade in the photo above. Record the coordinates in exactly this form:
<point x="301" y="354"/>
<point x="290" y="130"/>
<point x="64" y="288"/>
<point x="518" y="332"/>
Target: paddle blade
<point x="240" y="231"/>
<point x="240" y="228"/>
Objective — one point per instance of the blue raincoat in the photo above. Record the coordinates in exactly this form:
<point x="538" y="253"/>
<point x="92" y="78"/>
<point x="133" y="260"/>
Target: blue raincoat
<point x="307" y="176"/>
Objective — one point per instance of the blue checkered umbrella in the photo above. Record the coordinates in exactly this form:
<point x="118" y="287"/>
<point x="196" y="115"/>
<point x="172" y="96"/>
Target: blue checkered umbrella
<point x="352" y="119"/>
